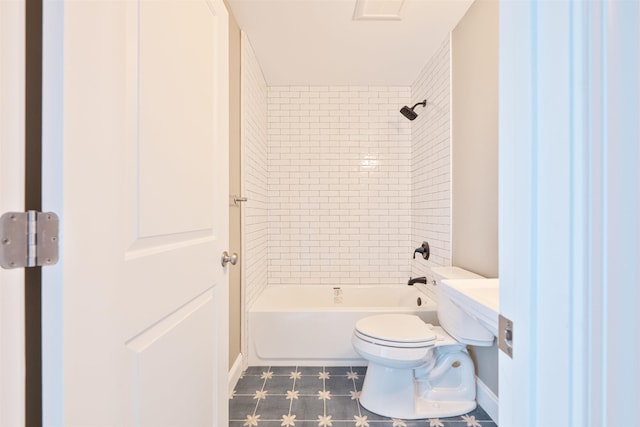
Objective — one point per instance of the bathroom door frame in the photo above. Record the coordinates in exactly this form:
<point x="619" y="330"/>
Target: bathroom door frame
<point x="569" y="209"/>
<point x="12" y="191"/>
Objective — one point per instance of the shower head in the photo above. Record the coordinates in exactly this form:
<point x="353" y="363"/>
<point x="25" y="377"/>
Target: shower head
<point x="409" y="113"/>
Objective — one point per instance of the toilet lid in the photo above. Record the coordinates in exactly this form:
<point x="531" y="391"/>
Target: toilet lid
<point x="398" y="330"/>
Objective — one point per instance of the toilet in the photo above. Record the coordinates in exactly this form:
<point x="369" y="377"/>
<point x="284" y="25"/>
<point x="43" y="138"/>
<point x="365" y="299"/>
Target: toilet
<point x="418" y="370"/>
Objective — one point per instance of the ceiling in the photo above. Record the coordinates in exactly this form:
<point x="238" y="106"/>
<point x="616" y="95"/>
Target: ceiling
<point x="317" y="42"/>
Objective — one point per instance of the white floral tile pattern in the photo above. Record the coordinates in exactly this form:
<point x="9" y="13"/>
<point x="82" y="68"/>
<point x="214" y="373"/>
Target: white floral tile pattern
<point x="318" y="397"/>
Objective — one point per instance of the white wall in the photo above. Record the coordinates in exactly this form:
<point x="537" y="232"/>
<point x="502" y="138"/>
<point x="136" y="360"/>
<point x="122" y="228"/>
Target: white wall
<point x="254" y="178"/>
<point x="474" y="135"/>
<point x="431" y="163"/>
<point x="353" y="186"/>
<point x="474" y="132"/>
<point x="339" y="185"/>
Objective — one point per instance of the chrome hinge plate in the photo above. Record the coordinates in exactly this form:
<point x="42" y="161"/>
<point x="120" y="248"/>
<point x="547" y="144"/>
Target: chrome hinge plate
<point x="28" y="239"/>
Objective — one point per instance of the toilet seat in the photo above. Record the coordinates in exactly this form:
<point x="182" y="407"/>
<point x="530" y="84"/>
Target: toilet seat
<point x="396" y="330"/>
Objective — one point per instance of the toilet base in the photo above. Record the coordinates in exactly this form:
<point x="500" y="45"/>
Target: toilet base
<point x="388" y="392"/>
<point x="442" y="409"/>
<point x="396" y="393"/>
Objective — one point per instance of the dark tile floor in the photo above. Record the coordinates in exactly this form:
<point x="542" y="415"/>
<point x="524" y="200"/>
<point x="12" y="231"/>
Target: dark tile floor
<point x="319" y="397"/>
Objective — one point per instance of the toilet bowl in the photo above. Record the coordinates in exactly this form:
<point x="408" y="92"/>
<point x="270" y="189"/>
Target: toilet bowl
<point x="416" y="370"/>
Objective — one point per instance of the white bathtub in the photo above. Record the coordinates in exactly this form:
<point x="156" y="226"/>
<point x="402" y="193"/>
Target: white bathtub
<point x="312" y="325"/>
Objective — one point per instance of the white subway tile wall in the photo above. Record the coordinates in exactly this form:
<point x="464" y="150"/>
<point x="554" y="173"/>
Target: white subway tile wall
<point x="254" y="178"/>
<point x="339" y="180"/>
<point x="341" y="187"/>
<point x="431" y="163"/>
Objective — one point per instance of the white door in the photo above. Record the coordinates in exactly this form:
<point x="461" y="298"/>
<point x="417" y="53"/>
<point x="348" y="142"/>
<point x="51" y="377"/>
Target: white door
<point x="570" y="211"/>
<point x="135" y="315"/>
<point x="12" y="363"/>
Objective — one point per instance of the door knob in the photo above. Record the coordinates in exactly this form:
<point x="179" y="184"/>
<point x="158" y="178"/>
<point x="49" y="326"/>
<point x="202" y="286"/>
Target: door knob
<point x="226" y="258"/>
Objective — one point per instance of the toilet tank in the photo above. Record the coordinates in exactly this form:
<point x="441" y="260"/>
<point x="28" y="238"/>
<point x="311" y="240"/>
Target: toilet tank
<point x="452" y="318"/>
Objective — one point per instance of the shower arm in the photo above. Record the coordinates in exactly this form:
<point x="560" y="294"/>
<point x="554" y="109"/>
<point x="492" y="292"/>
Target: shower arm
<point x="423" y="103"/>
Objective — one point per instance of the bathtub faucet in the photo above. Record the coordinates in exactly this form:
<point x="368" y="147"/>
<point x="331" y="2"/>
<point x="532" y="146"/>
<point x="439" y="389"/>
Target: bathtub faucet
<point x="423" y="250"/>
<point x="417" y="280"/>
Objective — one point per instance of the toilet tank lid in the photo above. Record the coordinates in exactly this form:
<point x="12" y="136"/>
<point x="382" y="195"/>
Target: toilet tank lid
<point x="451" y="273"/>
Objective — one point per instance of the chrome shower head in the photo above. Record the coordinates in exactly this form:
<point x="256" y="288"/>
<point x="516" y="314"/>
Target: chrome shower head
<point x="409" y="113"/>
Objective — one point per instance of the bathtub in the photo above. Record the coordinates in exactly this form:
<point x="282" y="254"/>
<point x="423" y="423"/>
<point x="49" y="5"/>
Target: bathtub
<point x="310" y="325"/>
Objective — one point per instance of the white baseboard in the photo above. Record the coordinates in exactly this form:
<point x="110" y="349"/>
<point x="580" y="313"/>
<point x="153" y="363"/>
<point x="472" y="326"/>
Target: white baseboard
<point x="234" y="373"/>
<point x="487" y="399"/>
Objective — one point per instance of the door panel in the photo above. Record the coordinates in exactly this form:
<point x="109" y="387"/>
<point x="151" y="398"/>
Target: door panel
<point x="140" y="295"/>
<point x="177" y="342"/>
<point x="172" y="66"/>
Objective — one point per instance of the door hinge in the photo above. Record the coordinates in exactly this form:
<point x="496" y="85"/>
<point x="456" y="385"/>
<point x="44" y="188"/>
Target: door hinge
<point x="28" y="239"/>
<point x="505" y="338"/>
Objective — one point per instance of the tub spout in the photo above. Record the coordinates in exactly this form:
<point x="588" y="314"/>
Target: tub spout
<point x="411" y="281"/>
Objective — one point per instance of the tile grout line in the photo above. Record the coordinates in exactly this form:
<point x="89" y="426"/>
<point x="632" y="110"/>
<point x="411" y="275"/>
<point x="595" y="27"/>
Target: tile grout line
<point x="261" y="389"/>
<point x="356" y="390"/>
<point x="324" y="389"/>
